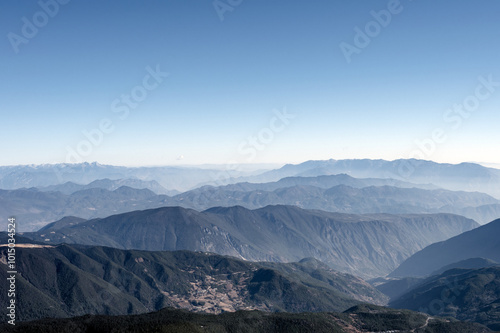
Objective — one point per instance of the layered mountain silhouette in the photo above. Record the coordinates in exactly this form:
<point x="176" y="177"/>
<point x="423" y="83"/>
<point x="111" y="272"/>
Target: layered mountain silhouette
<point x="171" y="178"/>
<point x="110" y="185"/>
<point x="482" y="242"/>
<point x="364" y="245"/>
<point x="64" y="280"/>
<point x="293" y="239"/>
<point x="465" y="294"/>
<point x="463" y="176"/>
<point x="345" y="199"/>
<point x="321" y="181"/>
<point x="472" y="263"/>
<point x="396" y="287"/>
<point x="36" y="208"/>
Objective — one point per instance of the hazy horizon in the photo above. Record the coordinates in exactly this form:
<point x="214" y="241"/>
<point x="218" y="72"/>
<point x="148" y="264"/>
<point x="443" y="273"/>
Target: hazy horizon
<point x="245" y="167"/>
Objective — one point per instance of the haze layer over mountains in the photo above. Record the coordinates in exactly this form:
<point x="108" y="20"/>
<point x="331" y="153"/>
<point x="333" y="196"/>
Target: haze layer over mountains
<point x="93" y="190"/>
<point x="318" y="236"/>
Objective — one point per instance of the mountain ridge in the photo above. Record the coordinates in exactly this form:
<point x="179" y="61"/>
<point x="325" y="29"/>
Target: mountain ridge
<point x="464" y="294"/>
<point x="481" y="242"/>
<point x="69" y="280"/>
<point x="366" y="245"/>
<point x="37" y="208"/>
<point x="463" y="176"/>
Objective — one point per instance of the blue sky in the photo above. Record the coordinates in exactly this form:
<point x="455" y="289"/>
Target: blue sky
<point x="270" y="83"/>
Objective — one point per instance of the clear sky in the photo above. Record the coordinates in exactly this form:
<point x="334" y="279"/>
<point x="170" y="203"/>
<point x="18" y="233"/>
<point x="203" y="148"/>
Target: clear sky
<point x="249" y="81"/>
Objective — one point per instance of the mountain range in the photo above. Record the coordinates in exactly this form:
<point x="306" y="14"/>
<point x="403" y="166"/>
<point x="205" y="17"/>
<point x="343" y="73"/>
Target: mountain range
<point x="344" y="199"/>
<point x="461" y="177"/>
<point x="482" y="242"/>
<point x="169" y="177"/>
<point x="364" y="245"/>
<point x="103" y="240"/>
<point x="110" y="185"/>
<point x="465" y="294"/>
<point x="34" y="209"/>
<point x="396" y="287"/>
<point x="65" y="281"/>
<point x="336" y="193"/>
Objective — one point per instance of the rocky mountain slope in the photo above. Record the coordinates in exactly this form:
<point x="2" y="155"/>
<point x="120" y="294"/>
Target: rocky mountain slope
<point x="363" y="245"/>
<point x="64" y="280"/>
<point x="482" y="242"/>
<point x="465" y="294"/>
